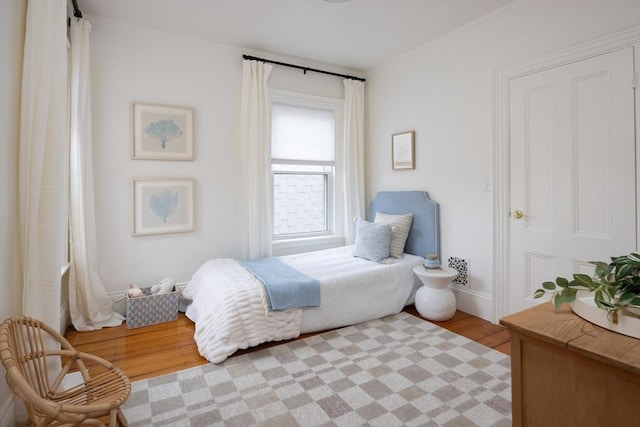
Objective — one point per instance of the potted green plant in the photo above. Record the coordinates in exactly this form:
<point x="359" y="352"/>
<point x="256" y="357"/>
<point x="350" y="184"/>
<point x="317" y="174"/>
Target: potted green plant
<point x="615" y="286"/>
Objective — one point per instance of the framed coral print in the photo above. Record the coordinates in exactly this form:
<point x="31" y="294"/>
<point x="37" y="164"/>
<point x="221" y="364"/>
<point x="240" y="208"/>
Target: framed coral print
<point x="161" y="132"/>
<point x="403" y="150"/>
<point x="162" y="205"/>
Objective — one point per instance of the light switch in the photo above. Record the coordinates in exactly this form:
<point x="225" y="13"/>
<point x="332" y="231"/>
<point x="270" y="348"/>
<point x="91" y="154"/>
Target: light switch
<point x="486" y="185"/>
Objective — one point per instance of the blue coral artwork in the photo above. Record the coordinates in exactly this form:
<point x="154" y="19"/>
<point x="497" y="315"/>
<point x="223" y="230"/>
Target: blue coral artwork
<point x="162" y="205"/>
<point x="162" y="132"/>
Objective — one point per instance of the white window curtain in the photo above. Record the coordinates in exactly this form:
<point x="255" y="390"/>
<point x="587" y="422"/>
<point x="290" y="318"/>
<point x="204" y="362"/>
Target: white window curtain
<point x="255" y="159"/>
<point x="89" y="304"/>
<point x="43" y="159"/>
<point x="353" y="156"/>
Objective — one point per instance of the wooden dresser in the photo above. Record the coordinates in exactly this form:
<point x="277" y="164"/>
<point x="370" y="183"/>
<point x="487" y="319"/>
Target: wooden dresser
<point x="567" y="372"/>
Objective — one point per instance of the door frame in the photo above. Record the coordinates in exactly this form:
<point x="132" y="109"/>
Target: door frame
<point x="501" y="145"/>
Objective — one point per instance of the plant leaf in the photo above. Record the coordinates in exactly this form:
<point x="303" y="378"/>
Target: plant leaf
<point x="538" y="293"/>
<point x="568" y="295"/>
<point x="626" y="298"/>
<point x="583" y="280"/>
<point x="598" y="299"/>
<point x="550" y="286"/>
<point x="601" y="268"/>
<point x="624" y="271"/>
<point x="634" y="257"/>
<point x="562" y="282"/>
<point x="605" y="305"/>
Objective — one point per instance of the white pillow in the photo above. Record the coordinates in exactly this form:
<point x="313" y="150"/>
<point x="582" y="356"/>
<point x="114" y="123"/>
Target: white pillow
<point x="372" y="240"/>
<point x="401" y="224"/>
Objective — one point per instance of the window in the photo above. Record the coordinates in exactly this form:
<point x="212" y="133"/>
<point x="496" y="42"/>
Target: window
<point x="305" y="137"/>
<point x="300" y="198"/>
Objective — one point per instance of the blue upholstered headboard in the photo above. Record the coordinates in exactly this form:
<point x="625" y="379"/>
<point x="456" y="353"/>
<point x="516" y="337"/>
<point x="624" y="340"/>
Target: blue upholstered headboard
<point x="424" y="237"/>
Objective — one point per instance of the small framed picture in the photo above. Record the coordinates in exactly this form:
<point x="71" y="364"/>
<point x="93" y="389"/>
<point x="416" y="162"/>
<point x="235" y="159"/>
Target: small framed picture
<point x="161" y="132"/>
<point x="403" y="150"/>
<point x="162" y="205"/>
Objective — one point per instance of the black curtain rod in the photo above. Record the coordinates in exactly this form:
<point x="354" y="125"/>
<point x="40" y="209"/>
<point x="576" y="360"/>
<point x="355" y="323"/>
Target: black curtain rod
<point x="299" y="67"/>
<point x="76" y="9"/>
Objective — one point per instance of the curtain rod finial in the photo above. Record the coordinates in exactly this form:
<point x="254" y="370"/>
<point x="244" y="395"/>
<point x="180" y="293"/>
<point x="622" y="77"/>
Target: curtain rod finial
<point x="76" y="10"/>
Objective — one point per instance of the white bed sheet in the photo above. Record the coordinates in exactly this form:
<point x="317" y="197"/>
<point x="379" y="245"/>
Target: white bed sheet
<point x="354" y="290"/>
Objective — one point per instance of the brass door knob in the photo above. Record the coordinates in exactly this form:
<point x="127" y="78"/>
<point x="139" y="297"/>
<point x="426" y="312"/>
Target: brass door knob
<point x="517" y="214"/>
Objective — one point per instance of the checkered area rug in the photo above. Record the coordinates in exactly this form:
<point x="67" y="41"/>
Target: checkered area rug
<point x="395" y="371"/>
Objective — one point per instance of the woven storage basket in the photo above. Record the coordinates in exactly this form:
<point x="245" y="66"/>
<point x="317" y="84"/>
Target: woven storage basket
<point x="152" y="309"/>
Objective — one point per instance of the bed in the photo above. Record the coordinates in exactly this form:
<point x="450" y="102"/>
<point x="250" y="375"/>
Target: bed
<point x="230" y="305"/>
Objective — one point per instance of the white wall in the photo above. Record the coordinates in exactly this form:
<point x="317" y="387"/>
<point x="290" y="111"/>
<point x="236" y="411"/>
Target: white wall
<point x="135" y="64"/>
<point x="445" y="92"/>
<point x="12" y="20"/>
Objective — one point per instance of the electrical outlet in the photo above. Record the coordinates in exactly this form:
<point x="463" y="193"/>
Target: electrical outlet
<point x="462" y="265"/>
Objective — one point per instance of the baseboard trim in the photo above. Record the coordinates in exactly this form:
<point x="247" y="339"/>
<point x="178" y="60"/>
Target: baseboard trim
<point x="8" y="412"/>
<point x="475" y="303"/>
<point x="65" y="316"/>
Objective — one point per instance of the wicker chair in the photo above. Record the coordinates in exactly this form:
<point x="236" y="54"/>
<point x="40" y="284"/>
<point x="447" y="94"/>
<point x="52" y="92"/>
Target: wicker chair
<point x="48" y="402"/>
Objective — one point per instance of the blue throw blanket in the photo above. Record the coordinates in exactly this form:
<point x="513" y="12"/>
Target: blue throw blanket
<point x="286" y="287"/>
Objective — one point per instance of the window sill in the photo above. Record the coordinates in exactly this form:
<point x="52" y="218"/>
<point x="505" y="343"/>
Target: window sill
<point x="307" y="244"/>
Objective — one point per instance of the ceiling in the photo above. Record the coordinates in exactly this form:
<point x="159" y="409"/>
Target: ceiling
<point x="355" y="35"/>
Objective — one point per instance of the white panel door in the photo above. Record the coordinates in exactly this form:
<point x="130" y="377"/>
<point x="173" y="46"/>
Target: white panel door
<point x="573" y="185"/>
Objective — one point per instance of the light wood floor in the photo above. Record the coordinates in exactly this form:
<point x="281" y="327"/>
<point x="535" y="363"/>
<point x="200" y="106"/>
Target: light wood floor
<point x="168" y="347"/>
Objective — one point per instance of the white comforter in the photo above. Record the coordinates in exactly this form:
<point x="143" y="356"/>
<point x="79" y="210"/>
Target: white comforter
<point x="230" y="311"/>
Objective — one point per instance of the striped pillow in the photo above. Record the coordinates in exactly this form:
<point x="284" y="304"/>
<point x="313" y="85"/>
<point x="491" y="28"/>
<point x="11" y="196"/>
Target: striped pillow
<point x="400" y="226"/>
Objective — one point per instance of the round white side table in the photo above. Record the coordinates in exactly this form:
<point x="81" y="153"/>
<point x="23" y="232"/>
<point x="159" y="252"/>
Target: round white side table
<point x="434" y="300"/>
